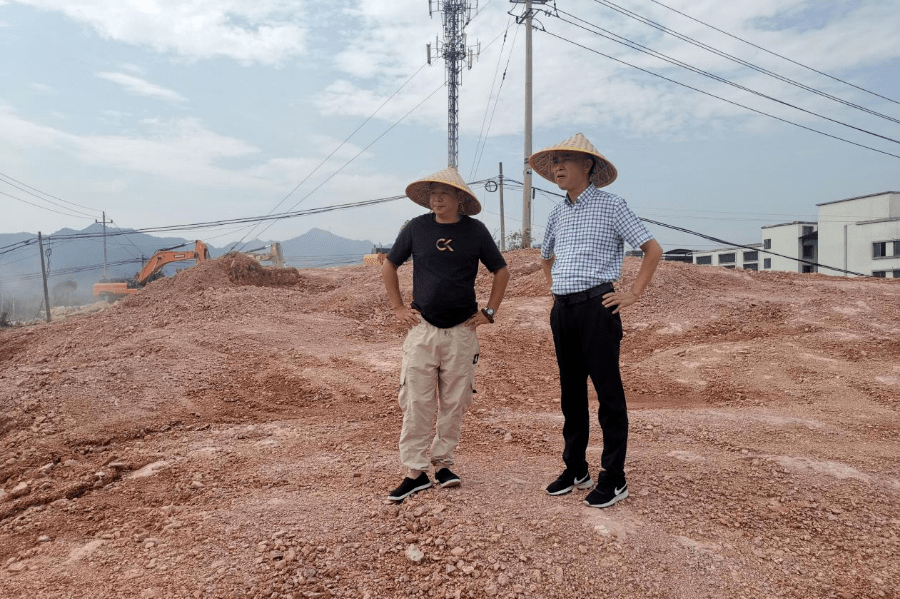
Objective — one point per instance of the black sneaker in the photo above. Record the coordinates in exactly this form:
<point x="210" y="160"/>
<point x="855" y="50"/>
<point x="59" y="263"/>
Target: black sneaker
<point x="410" y="486"/>
<point x="606" y="494"/>
<point x="446" y="478"/>
<point x="568" y="481"/>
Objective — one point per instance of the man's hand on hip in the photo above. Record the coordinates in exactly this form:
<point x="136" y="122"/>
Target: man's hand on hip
<point x="408" y="316"/>
<point x="620" y="299"/>
<point x="476" y="320"/>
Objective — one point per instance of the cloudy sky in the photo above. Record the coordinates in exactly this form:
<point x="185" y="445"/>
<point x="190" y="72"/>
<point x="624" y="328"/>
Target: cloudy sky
<point x="164" y="112"/>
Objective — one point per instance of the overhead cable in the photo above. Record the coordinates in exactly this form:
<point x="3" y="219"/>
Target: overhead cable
<point x="774" y="53"/>
<point x="4" y="176"/>
<point x="70" y="214"/>
<point x="477" y="160"/>
<point x="737" y="60"/>
<point x="651" y="52"/>
<point x="722" y="241"/>
<point x="333" y="152"/>
<point x="358" y="154"/>
<point x="628" y="64"/>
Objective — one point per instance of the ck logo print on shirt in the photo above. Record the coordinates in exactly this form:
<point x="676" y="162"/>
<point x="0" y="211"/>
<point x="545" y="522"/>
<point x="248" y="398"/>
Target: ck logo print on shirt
<point x="443" y="244"/>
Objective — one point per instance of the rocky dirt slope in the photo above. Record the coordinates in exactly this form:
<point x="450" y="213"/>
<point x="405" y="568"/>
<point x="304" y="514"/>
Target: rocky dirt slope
<point x="231" y="432"/>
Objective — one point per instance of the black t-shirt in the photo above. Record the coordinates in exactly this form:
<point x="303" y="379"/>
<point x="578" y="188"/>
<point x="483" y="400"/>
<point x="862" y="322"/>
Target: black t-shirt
<point x="445" y="264"/>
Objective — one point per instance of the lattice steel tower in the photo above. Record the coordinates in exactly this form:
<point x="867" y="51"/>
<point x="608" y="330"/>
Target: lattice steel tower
<point x="456" y="15"/>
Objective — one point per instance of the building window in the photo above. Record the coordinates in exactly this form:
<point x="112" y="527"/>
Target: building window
<point x="729" y="266"/>
<point x="704" y="259"/>
<point x="808" y="268"/>
<point x="881" y="274"/>
<point x="808" y="251"/>
<point x="879" y="249"/>
<point x="897" y="248"/>
<point x="897" y="274"/>
<point x="767" y="263"/>
<point x="726" y="258"/>
<point x="807" y="230"/>
<point x="753" y="266"/>
<point x="767" y="244"/>
<point x="751" y="256"/>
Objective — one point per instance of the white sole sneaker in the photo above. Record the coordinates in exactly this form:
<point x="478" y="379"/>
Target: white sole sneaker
<point x="585" y="483"/>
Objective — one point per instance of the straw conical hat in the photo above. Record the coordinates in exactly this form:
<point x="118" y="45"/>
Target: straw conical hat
<point x="420" y="191"/>
<point x="604" y="172"/>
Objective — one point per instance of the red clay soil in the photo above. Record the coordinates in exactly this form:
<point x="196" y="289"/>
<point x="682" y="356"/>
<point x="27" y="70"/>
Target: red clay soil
<point x="232" y="432"/>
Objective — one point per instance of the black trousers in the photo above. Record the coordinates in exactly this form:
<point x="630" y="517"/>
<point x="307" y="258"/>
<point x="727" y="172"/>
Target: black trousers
<point x="587" y="338"/>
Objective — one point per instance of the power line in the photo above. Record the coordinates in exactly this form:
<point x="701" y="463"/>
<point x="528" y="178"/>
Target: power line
<point x="718" y="97"/>
<point x="476" y="160"/>
<point x="774" y="53"/>
<point x="649" y="51"/>
<point x="220" y="223"/>
<point x="44" y="207"/>
<point x="17" y="245"/>
<point x="358" y="154"/>
<point x="327" y="158"/>
<point x="692" y="41"/>
<point x="724" y="242"/>
<point x="5" y="176"/>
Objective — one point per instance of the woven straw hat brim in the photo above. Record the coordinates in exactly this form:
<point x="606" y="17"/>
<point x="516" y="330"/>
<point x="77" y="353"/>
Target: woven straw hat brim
<point x="604" y="171"/>
<point x="420" y="191"/>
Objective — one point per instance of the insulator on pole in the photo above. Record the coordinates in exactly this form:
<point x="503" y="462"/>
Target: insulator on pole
<point x="428" y="46"/>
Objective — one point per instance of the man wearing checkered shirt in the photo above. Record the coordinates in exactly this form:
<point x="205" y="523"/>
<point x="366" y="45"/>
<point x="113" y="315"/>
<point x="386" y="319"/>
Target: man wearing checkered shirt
<point x="581" y="256"/>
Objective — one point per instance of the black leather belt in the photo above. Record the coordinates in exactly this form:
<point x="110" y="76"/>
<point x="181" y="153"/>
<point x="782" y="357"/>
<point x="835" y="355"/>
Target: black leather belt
<point x="583" y="296"/>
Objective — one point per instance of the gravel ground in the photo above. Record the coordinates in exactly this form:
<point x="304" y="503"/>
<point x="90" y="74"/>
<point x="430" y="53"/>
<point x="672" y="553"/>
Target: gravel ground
<point x="232" y="432"/>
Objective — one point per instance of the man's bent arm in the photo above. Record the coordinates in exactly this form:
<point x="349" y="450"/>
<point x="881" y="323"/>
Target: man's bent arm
<point x="498" y="287"/>
<point x="547" y="267"/>
<point x="622" y="299"/>
<point x="391" y="284"/>
<point x="652" y="253"/>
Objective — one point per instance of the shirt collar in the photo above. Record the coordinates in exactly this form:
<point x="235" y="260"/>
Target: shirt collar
<point x="585" y="196"/>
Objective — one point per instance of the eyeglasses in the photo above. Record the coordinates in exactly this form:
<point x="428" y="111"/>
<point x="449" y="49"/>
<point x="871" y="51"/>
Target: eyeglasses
<point x="565" y="157"/>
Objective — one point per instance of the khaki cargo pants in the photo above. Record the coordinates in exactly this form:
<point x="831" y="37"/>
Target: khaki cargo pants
<point x="437" y="378"/>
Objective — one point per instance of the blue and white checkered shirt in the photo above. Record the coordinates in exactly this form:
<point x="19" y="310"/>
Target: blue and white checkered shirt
<point x="587" y="238"/>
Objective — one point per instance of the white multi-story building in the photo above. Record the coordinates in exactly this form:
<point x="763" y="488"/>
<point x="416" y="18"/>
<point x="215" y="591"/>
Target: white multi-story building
<point x="790" y="243"/>
<point x="859" y="235"/>
<point x="731" y="257"/>
<point x="862" y="234"/>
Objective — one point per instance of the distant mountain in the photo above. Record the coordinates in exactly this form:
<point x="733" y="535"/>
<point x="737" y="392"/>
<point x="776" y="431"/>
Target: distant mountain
<point x="76" y="264"/>
<point x="317" y="248"/>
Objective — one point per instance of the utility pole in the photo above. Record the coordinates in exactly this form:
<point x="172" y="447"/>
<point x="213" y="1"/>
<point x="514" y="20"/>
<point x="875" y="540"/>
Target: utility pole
<point x="502" y="227"/>
<point x="105" y="273"/>
<point x="526" y="189"/>
<point x="44" y="275"/>
<point x="453" y="49"/>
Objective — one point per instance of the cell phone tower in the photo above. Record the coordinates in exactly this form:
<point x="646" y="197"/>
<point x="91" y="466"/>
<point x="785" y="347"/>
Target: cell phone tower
<point x="456" y="15"/>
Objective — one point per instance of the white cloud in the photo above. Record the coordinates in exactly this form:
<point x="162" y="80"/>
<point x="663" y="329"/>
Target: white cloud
<point x="44" y="89"/>
<point x="142" y="87"/>
<point x="179" y="150"/>
<point x="264" y="31"/>
<point x="575" y="87"/>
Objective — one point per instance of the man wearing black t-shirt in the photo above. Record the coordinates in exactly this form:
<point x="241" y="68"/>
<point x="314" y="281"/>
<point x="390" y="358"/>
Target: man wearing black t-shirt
<point x="441" y="348"/>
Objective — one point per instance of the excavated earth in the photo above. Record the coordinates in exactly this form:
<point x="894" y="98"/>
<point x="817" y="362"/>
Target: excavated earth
<point x="232" y="432"/>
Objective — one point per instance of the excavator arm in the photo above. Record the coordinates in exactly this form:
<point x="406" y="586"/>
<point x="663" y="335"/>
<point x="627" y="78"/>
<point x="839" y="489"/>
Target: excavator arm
<point x="153" y="266"/>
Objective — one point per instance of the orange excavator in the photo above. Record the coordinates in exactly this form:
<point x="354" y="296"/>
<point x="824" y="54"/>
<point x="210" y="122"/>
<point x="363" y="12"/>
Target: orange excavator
<point x="150" y="272"/>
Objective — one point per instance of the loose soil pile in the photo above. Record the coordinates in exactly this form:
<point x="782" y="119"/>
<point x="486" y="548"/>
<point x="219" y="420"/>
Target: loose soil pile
<point x="232" y="431"/>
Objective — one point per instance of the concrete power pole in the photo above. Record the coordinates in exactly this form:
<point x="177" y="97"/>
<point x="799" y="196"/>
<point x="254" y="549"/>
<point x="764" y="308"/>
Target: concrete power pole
<point x="44" y="274"/>
<point x="502" y="225"/>
<point x="453" y="49"/>
<point x="526" y="189"/>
